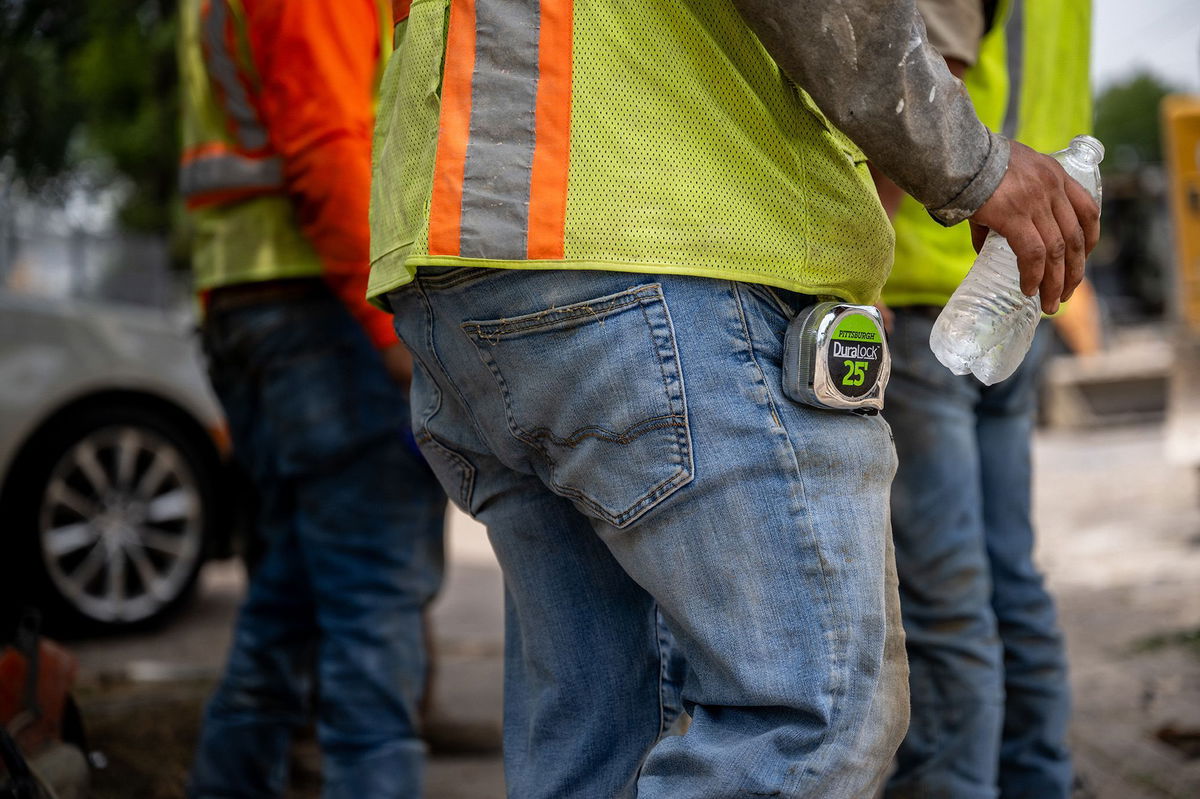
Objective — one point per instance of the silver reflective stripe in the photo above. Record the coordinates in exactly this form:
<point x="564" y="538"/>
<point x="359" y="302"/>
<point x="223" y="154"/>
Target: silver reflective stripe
<point x="499" y="163"/>
<point x="1014" y="42"/>
<point x="223" y="70"/>
<point x="229" y="172"/>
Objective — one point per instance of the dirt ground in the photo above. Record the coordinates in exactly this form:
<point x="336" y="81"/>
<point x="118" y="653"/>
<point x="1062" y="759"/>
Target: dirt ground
<point x="1120" y="542"/>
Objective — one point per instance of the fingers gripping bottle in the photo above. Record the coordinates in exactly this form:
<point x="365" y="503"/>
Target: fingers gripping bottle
<point x="987" y="326"/>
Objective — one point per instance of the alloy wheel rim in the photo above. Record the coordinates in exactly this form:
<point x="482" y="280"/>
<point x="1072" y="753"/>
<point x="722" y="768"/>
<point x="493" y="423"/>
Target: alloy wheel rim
<point x="121" y="523"/>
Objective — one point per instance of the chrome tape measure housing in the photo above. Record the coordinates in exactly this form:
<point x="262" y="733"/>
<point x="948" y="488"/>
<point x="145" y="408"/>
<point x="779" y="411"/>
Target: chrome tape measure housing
<point x="836" y="356"/>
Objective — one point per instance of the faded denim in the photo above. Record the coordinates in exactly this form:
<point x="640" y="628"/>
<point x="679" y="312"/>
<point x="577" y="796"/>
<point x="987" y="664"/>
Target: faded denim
<point x="352" y="522"/>
<point x="990" y="699"/>
<point x="627" y="443"/>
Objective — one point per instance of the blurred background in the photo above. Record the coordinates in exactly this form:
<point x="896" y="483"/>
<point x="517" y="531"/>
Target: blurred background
<point x="97" y="324"/>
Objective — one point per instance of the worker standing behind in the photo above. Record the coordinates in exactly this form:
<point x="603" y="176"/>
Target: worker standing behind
<point x="990" y="699"/>
<point x="277" y="115"/>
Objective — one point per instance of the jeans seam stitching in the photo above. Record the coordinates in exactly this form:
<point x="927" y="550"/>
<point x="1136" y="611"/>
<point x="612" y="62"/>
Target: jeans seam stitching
<point x="601" y="433"/>
<point x="837" y="685"/>
<point x="662" y="668"/>
<point x="551" y="317"/>
<point x="467" y="487"/>
<point x="671" y="347"/>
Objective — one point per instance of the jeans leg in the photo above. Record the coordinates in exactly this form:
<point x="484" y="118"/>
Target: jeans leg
<point x="954" y="651"/>
<point x="343" y="587"/>
<point x="673" y="673"/>
<point x="262" y="697"/>
<point x="373" y="555"/>
<point x="771" y="564"/>
<point x="582" y="662"/>
<point x="263" y="694"/>
<point x="1034" y="759"/>
<point x="775" y="572"/>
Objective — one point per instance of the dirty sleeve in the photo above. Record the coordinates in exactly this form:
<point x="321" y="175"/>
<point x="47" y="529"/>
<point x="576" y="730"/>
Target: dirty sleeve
<point x="870" y="66"/>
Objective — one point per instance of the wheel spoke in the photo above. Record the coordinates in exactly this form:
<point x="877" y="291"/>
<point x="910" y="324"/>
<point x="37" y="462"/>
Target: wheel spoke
<point x="71" y="499"/>
<point x="89" y="568"/>
<point x="171" y="506"/>
<point x="145" y="569"/>
<point x="163" y="542"/>
<point x="114" y="586"/>
<point x="70" y="538"/>
<point x="162" y="465"/>
<point x="89" y="464"/>
<point x="128" y="446"/>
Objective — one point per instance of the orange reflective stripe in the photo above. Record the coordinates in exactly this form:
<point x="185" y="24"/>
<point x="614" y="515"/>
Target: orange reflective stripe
<point x="204" y="150"/>
<point x="445" y="206"/>
<point x="400" y="9"/>
<point x="552" y="151"/>
<point x="223" y="197"/>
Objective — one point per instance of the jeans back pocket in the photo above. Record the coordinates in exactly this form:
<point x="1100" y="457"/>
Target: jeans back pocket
<point x="597" y="389"/>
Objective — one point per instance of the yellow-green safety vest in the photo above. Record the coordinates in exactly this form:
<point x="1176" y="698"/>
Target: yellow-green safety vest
<point x="1029" y="83"/>
<point x="654" y="137"/>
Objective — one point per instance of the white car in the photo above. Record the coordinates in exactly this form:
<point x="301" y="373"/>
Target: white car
<point x="112" y="478"/>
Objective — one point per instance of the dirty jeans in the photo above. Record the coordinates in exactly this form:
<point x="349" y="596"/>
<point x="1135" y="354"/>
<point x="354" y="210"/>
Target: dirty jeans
<point x="352" y="522"/>
<point x="990" y="700"/>
<point x="626" y="442"/>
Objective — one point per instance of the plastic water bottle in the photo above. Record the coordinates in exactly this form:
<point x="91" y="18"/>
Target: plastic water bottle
<point x="987" y="327"/>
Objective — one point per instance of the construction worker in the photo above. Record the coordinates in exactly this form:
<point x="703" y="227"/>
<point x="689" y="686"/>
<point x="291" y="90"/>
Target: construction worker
<point x="990" y="699"/>
<point x="594" y="222"/>
<point x="277" y="113"/>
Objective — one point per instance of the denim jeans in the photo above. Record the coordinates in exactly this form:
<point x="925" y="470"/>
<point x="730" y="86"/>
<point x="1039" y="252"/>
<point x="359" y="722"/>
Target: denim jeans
<point x="352" y="521"/>
<point x="626" y="441"/>
<point x="990" y="700"/>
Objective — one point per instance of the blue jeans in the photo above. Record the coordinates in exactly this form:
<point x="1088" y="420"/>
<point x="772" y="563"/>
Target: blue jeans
<point x="352" y="522"/>
<point x="990" y="700"/>
<point x="626" y="441"/>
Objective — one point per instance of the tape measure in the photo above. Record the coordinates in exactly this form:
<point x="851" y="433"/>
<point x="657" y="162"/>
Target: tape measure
<point x="836" y="356"/>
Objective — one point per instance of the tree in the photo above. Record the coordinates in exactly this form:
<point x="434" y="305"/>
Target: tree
<point x="38" y="111"/>
<point x="88" y="96"/>
<point x="1127" y="121"/>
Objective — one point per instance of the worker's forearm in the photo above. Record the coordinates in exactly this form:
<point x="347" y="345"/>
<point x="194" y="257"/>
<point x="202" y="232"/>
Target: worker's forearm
<point x="869" y="67"/>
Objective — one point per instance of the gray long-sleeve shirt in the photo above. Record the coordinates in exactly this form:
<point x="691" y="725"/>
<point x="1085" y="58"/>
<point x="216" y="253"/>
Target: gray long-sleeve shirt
<point x="871" y="69"/>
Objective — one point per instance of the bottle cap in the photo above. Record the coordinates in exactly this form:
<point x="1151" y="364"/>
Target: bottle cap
<point x="1087" y="149"/>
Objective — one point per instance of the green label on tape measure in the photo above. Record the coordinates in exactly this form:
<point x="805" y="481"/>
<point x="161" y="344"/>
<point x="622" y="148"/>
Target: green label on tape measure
<point x="857" y="327"/>
<point x="855" y="354"/>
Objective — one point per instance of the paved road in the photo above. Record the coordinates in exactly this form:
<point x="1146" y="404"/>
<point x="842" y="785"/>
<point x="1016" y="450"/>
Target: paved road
<point x="1120" y="534"/>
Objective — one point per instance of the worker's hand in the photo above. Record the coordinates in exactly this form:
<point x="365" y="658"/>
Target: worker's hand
<point x="1050" y="221"/>
<point x="398" y="362"/>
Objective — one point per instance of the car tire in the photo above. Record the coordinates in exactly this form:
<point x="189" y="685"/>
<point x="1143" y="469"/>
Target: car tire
<point x="114" y="505"/>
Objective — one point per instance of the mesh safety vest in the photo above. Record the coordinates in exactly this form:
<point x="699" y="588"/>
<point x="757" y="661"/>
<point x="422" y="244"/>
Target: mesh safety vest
<point x="244" y="226"/>
<point x="656" y="136"/>
<point x="1030" y="83"/>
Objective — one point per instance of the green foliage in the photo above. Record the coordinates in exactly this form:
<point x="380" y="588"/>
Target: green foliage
<point x="37" y="117"/>
<point x="88" y="94"/>
<point x="1127" y="121"/>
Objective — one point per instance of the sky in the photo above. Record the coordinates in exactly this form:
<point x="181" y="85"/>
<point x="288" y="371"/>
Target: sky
<point x="1163" y="35"/>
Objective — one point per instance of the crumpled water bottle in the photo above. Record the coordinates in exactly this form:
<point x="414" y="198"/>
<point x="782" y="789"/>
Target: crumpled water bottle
<point x="987" y="326"/>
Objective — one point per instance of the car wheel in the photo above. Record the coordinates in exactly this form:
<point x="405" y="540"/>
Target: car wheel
<point x="119" y="501"/>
